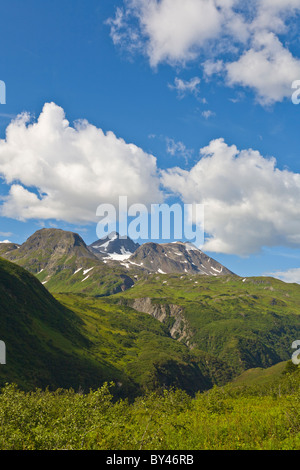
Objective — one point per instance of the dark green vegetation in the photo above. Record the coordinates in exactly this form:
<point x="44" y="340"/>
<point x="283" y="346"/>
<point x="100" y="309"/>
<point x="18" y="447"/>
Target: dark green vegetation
<point x="239" y="418"/>
<point x="190" y="332"/>
<point x="138" y="346"/>
<point x="44" y="343"/>
<point x="84" y="341"/>
<point x="196" y="361"/>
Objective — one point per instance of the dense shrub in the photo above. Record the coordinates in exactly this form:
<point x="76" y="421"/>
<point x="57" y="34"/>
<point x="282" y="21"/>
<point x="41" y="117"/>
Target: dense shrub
<point x="224" y="418"/>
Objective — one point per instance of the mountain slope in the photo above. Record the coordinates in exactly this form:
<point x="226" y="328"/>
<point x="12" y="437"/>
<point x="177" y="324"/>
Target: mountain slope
<point x="43" y="339"/>
<point x="6" y="247"/>
<point x="176" y="257"/>
<point x="50" y="249"/>
<point x="85" y="342"/>
<point x="241" y="323"/>
<point x="189" y="331"/>
<point x="261" y="377"/>
<point x="246" y="323"/>
<point x="63" y="263"/>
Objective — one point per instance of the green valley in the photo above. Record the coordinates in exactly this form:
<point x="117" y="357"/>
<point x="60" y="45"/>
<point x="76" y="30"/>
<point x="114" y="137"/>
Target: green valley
<point x="114" y="346"/>
<point x="83" y="341"/>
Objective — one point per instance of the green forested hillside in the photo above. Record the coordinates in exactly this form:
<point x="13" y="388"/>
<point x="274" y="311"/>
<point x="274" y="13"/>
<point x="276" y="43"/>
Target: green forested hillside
<point x="186" y="358"/>
<point x="139" y="346"/>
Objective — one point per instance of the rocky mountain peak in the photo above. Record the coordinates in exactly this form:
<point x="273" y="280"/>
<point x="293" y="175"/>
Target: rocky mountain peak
<point x="114" y="247"/>
<point x="176" y="257"/>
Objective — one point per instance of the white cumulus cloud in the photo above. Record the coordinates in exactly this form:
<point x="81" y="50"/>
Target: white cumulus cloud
<point x="245" y="41"/>
<point x="56" y="171"/>
<point x="174" y="29"/>
<point x="268" y="68"/>
<point x="249" y="202"/>
<point x="291" y="275"/>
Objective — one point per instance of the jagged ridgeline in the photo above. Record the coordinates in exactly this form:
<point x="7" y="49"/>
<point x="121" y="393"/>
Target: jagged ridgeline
<point x="63" y="262"/>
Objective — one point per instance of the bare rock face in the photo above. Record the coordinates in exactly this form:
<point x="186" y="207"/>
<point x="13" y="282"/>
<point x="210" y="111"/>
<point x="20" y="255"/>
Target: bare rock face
<point x="178" y="326"/>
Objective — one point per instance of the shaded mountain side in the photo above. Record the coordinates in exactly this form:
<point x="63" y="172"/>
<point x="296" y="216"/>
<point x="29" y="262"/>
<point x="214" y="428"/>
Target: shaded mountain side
<point x="85" y="342"/>
<point x="43" y="338"/>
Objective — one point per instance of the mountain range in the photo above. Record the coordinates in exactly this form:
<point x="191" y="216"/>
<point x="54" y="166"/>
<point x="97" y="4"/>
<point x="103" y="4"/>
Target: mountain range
<point x="144" y="316"/>
<point x="63" y="262"/>
<point x="164" y="258"/>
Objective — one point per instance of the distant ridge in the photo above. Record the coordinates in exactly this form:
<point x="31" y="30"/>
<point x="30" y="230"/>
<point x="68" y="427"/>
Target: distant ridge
<point x="50" y="249"/>
<point x="63" y="262"/>
<point x="177" y="257"/>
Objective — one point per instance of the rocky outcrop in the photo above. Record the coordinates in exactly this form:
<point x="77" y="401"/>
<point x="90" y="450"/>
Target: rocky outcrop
<point x="114" y="247"/>
<point x="169" y="314"/>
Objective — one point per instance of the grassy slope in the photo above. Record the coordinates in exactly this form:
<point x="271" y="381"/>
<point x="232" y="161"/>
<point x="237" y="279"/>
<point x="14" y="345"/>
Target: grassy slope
<point x="234" y="326"/>
<point x="44" y="343"/>
<point x="259" y="376"/>
<point x="137" y="344"/>
<point x="101" y="280"/>
<point x="247" y="324"/>
<point x="85" y="342"/>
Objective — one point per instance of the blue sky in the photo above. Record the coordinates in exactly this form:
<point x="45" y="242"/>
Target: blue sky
<point x="202" y="86"/>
